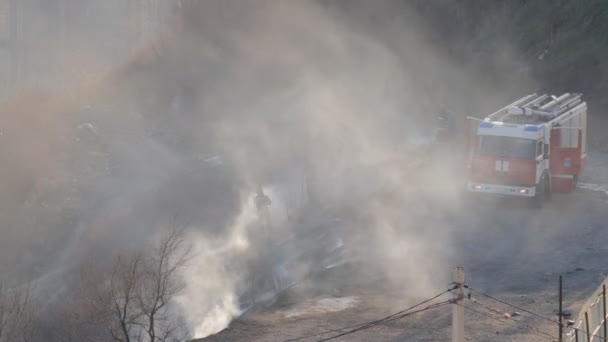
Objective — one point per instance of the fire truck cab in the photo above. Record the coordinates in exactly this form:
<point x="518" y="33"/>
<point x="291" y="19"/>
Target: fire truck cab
<point x="530" y="148"/>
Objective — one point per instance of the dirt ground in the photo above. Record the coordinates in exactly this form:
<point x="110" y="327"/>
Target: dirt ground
<point x="508" y="250"/>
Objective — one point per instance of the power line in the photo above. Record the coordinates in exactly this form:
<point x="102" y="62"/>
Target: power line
<point x="541" y="334"/>
<point x="514" y="320"/>
<point x="361" y="325"/>
<point x="515" y="306"/>
<point x="532" y="313"/>
<point x="432" y="306"/>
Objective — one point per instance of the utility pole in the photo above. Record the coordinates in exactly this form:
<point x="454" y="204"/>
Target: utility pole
<point x="604" y="306"/>
<point x="561" y="313"/>
<point x="457" y="308"/>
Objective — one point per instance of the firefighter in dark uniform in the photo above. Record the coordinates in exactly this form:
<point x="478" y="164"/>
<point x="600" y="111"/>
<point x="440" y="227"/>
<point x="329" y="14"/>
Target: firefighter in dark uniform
<point x="267" y="273"/>
<point x="262" y="204"/>
<point x="443" y="118"/>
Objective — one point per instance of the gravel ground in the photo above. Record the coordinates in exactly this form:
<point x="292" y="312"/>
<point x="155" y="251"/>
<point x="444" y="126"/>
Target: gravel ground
<point x="509" y="251"/>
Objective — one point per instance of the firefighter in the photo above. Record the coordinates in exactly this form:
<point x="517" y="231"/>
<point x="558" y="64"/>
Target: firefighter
<point x="267" y="276"/>
<point x="443" y="125"/>
<point x="442" y="121"/>
<point x="261" y="200"/>
<point x="262" y="204"/>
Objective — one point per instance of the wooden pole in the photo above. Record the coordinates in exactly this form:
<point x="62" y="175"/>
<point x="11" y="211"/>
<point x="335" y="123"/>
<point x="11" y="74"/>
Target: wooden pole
<point x="604" y="304"/>
<point x="561" y="314"/>
<point x="458" y="309"/>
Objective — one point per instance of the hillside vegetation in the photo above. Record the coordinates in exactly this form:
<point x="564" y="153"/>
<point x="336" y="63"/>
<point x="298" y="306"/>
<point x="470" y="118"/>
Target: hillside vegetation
<point x="562" y="44"/>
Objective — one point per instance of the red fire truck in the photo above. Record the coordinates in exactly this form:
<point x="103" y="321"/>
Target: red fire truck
<point x="530" y="148"/>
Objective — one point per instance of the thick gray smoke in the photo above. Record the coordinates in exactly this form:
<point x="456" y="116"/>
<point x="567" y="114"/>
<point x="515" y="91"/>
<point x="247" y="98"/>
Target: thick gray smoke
<point x="320" y="105"/>
<point x="299" y="94"/>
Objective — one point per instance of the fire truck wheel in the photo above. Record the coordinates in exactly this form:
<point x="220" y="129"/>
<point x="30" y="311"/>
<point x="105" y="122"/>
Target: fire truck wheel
<point x="542" y="193"/>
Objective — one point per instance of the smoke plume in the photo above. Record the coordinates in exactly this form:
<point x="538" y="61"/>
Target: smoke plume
<point x="317" y="102"/>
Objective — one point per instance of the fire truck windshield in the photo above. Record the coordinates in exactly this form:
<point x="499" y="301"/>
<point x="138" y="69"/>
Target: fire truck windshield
<point x="506" y="147"/>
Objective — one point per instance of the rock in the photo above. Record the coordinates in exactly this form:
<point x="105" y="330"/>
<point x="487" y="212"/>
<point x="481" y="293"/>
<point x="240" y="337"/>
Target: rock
<point x="515" y="314"/>
<point x="507" y="315"/>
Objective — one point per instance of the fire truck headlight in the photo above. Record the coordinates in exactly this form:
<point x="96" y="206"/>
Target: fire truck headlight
<point x="523" y="191"/>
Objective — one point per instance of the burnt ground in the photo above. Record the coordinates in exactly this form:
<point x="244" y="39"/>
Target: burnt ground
<point x="508" y="250"/>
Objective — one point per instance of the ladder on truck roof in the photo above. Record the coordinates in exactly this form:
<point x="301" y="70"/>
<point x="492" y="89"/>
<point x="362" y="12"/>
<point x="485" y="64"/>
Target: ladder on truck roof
<point x="535" y="109"/>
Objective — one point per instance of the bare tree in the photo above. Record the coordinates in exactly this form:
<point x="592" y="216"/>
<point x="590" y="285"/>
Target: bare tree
<point x="86" y="309"/>
<point x="125" y="281"/>
<point x="133" y="299"/>
<point x="160" y="284"/>
<point x="16" y="313"/>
